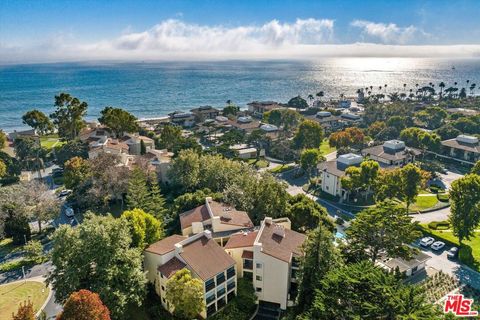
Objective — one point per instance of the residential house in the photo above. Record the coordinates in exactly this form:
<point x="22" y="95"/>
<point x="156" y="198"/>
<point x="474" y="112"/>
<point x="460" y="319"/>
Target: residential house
<point x="106" y="145"/>
<point x="221" y="219"/>
<point x="205" y="259"/>
<point x="333" y="171"/>
<point x="245" y="123"/>
<point x="184" y="119"/>
<point x="464" y="148"/>
<point x="408" y="267"/>
<point x="31" y="133"/>
<point x="134" y="143"/>
<point x="270" y="257"/>
<point x="392" y="153"/>
<point x="328" y="121"/>
<point x="258" y="108"/>
<point x="244" y="151"/>
<point x="271" y="131"/>
<point x="205" y="112"/>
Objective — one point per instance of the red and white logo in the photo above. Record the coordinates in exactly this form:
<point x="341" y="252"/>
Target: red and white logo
<point x="459" y="306"/>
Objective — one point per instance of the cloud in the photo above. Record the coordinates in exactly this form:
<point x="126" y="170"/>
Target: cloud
<point x="175" y="39"/>
<point x="389" y="33"/>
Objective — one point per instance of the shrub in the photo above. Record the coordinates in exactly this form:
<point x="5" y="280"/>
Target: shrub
<point x="439" y="225"/>
<point x="465" y="255"/>
<point x="443" y="197"/>
<point x="339" y="221"/>
<point x="435" y="189"/>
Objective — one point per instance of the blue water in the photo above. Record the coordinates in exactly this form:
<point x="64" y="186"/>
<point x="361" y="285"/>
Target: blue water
<point x="154" y="89"/>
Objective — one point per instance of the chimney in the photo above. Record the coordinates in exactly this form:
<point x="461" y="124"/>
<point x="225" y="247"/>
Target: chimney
<point x="178" y="248"/>
<point x="268" y="220"/>
<point x="208" y="234"/>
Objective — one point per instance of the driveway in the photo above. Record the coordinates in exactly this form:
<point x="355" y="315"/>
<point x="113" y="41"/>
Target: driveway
<point x="438" y="215"/>
<point x="448" y="178"/>
<point x="439" y="261"/>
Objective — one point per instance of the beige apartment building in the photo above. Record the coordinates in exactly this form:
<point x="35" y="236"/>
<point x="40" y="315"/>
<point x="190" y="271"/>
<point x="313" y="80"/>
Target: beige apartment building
<point x="269" y="257"/>
<point x="221" y="219"/>
<point x="205" y="259"/>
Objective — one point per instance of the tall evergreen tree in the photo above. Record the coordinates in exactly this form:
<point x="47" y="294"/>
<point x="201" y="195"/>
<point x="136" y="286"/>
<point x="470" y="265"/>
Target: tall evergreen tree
<point x="137" y="193"/>
<point x="155" y="203"/>
<point x="321" y="256"/>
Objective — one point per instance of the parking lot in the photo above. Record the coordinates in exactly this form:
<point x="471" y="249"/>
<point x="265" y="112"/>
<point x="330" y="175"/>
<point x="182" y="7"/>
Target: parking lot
<point x="440" y="262"/>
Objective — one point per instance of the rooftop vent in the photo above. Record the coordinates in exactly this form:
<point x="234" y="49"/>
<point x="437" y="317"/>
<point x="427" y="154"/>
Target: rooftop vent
<point x="279" y="231"/>
<point x="394" y="145"/>
<point x="269" y="127"/>
<point x="350" y="159"/>
<point x="323" y="114"/>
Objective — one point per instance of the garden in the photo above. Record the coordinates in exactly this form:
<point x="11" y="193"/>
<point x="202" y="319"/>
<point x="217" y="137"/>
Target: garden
<point x="12" y="294"/>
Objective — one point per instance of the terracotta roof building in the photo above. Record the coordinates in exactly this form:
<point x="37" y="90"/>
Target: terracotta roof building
<point x="206" y="261"/>
<point x="220" y="218"/>
<point x="393" y="153"/>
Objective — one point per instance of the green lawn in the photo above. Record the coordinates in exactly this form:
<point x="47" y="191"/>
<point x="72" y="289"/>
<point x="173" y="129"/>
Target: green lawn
<point x="49" y="141"/>
<point x="447" y="235"/>
<point x="7" y="246"/>
<point x="11" y="295"/>
<point x="325" y="147"/>
<point x="424" y="202"/>
<point x="282" y="168"/>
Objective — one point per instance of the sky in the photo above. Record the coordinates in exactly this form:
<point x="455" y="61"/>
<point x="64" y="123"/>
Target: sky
<point x="47" y="31"/>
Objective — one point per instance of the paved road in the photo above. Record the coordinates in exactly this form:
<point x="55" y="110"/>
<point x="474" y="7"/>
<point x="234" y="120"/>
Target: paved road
<point x="438" y="215"/>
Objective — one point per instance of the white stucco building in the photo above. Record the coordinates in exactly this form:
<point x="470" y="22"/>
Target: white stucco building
<point x="333" y="171"/>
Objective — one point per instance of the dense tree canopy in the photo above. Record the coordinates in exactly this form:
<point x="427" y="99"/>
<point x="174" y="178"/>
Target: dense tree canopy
<point x="97" y="255"/>
<point x="185" y="294"/>
<point x="84" y="305"/>
<point x="287" y="118"/>
<point x="432" y="117"/>
<point x="68" y="116"/>
<point x="38" y="121"/>
<point x="465" y="208"/>
<point x="418" y="138"/>
<point x="297" y="102"/>
<point x="347" y="138"/>
<point x="3" y="139"/>
<point x="476" y="168"/>
<point x="364" y="291"/>
<point x="309" y="135"/>
<point x="76" y="171"/>
<point x="309" y="158"/>
<point x="73" y="148"/>
<point x="119" y="121"/>
<point x="306" y="214"/>
<point x="145" y="229"/>
<point x="384" y="228"/>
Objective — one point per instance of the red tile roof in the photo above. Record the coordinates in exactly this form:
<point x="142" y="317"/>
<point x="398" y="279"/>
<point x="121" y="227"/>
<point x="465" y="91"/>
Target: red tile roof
<point x="241" y="240"/>
<point x="246" y="254"/>
<point x="165" y="245"/>
<point x="280" y="246"/>
<point x="173" y="265"/>
<point x="198" y="214"/>
<point x="206" y="258"/>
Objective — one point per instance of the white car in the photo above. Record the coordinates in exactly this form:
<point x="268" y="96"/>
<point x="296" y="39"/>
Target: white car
<point x="426" y="241"/>
<point x="69" y="212"/>
<point x="437" y="245"/>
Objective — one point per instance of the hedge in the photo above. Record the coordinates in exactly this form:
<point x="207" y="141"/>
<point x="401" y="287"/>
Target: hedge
<point x="465" y="255"/>
<point x="439" y="225"/>
<point x="443" y="197"/>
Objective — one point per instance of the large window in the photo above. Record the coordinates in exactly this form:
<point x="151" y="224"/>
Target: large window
<point x="231" y="285"/>
<point x="220" y="291"/>
<point x="211" y="309"/>
<point x="247" y="264"/>
<point x="221" y="302"/>
<point x="258" y="278"/>
<point x="209" y="285"/>
<point x="230" y="272"/>
<point x="220" y="278"/>
<point x="259" y="265"/>
<point x="210" y="297"/>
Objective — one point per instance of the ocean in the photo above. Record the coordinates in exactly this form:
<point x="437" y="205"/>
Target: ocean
<point x="149" y="89"/>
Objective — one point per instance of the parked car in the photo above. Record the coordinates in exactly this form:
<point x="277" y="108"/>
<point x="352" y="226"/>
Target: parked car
<point x="452" y="253"/>
<point x="437" y="245"/>
<point x="426" y="241"/>
<point x="69" y="212"/>
<point x="64" y="193"/>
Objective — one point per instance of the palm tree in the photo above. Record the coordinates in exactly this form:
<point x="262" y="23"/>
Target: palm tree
<point x="385" y="88"/>
<point x="320" y="94"/>
<point x="404" y="87"/>
<point x="310" y="97"/>
<point x="441" y="85"/>
<point x="472" y="88"/>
